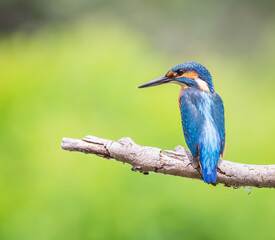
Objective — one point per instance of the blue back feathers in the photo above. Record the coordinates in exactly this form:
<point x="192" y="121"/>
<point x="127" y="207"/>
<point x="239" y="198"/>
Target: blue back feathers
<point x="203" y="126"/>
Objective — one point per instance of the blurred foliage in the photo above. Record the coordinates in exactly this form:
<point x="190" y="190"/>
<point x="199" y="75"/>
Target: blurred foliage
<point x="180" y="26"/>
<point x="78" y="80"/>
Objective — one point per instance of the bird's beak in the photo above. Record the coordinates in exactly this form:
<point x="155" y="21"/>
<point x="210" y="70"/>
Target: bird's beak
<point x="155" y="82"/>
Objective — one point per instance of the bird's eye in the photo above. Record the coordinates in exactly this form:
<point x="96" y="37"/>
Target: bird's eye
<point x="180" y="72"/>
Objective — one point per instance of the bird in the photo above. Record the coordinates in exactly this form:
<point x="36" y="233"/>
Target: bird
<point x="202" y="114"/>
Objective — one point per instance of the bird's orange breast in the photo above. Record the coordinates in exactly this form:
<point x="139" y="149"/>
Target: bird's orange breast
<point x="181" y="91"/>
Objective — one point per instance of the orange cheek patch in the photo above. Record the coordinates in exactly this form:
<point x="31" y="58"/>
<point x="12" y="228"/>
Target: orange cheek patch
<point x="192" y="75"/>
<point x="170" y="74"/>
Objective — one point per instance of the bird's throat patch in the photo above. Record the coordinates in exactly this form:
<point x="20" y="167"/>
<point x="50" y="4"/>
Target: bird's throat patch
<point x="202" y="85"/>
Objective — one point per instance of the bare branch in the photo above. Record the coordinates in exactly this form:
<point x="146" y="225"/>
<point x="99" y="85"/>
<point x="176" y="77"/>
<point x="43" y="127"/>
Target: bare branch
<point x="178" y="163"/>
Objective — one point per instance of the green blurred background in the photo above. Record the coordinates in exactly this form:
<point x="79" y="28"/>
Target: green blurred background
<point x="71" y="68"/>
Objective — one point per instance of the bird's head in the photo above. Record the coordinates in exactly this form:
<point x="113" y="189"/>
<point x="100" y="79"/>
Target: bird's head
<point x="189" y="74"/>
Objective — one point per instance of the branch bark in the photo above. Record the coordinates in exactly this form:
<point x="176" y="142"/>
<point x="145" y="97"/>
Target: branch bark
<point x="178" y="163"/>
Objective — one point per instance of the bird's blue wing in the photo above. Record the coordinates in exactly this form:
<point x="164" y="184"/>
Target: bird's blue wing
<point x="203" y="125"/>
<point x="191" y="119"/>
<point x="218" y="117"/>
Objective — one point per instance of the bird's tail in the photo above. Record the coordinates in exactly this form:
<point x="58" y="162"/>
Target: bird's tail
<point x="209" y="152"/>
<point x="209" y="158"/>
<point x="209" y="175"/>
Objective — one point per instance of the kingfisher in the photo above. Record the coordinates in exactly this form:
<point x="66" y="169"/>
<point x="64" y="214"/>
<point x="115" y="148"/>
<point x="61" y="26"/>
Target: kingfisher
<point x="202" y="114"/>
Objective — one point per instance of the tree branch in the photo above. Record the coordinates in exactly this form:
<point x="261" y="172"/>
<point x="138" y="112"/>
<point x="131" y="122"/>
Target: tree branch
<point x="178" y="163"/>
